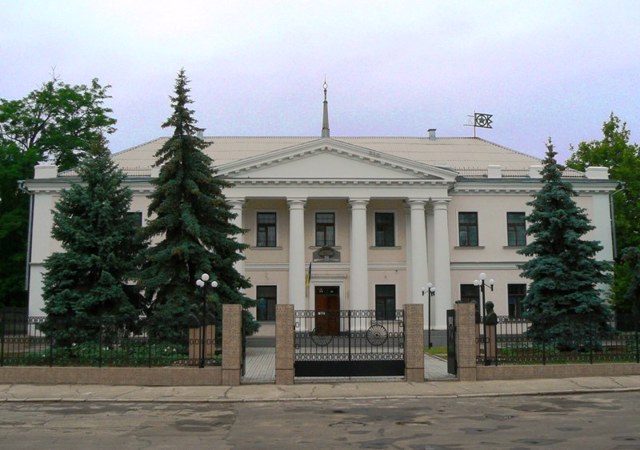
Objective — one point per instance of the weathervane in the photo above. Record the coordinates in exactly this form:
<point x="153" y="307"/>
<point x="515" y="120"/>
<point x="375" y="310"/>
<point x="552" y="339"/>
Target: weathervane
<point x="480" y="120"/>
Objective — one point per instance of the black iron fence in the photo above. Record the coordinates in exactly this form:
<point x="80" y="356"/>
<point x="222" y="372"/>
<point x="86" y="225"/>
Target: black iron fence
<point x="513" y="343"/>
<point x="349" y="343"/>
<point x="22" y="343"/>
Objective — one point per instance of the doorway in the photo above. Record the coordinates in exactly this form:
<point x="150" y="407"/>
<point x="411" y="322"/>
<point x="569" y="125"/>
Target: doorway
<point x="327" y="302"/>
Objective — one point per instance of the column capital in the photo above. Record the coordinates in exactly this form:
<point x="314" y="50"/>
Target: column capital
<point x="296" y="202"/>
<point x="441" y="203"/>
<point x="416" y="203"/>
<point x="358" y="202"/>
<point x="237" y="202"/>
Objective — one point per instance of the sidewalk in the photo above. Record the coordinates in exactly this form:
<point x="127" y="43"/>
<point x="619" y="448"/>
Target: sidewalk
<point x="315" y="391"/>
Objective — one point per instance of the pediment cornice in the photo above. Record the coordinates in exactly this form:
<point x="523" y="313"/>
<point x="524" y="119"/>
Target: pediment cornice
<point x="396" y="169"/>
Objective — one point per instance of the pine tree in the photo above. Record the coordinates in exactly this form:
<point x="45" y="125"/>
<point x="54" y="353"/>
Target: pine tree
<point x="194" y="222"/>
<point x="563" y="302"/>
<point x="86" y="287"/>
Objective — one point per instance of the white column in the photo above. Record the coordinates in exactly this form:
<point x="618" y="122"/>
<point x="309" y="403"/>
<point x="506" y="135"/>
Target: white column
<point x="441" y="265"/>
<point x="296" y="253"/>
<point x="418" y="269"/>
<point x="237" y="207"/>
<point x="359" y="265"/>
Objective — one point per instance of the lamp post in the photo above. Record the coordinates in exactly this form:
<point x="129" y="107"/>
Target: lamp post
<point x="430" y="290"/>
<point x="482" y="284"/>
<point x="202" y="283"/>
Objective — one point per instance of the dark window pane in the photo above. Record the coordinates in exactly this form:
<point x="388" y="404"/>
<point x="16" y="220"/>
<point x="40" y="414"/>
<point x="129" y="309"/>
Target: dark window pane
<point x="325" y="230"/>
<point x="516" y="229"/>
<point x="267" y="298"/>
<point x="385" y="229"/>
<point x="135" y="218"/>
<point x="468" y="229"/>
<point x="515" y="295"/>
<point x="385" y="302"/>
<point x="266" y="229"/>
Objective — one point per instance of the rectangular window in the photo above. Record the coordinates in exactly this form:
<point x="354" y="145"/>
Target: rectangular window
<point x="468" y="229"/>
<point x="470" y="293"/>
<point x="385" y="229"/>
<point x="266" y="229"/>
<point x="135" y="218"/>
<point x="267" y="298"/>
<point x="515" y="295"/>
<point x="385" y="302"/>
<point x="516" y="229"/>
<point x="325" y="229"/>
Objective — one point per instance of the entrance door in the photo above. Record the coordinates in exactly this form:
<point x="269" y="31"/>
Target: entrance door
<point x="327" y="310"/>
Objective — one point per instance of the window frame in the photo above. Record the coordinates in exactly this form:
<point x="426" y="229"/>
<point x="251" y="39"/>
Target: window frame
<point x="516" y="230"/>
<point x="136" y="218"/>
<point x="470" y="229"/>
<point x="385" y="302"/>
<point x="325" y="242"/>
<point x="383" y="242"/>
<point x="268" y="228"/>
<point x="514" y="309"/>
<point x="269" y="298"/>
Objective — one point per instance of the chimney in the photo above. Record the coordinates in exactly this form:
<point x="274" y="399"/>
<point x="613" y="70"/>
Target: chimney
<point x="432" y="134"/>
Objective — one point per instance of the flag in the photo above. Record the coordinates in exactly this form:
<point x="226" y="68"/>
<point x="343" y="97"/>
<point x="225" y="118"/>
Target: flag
<point x="481" y="120"/>
<point x="308" y="276"/>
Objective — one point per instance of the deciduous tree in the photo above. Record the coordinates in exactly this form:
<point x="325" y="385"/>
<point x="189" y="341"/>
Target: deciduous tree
<point x="56" y="122"/>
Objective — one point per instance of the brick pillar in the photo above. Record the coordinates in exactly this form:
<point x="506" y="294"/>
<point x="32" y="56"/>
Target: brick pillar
<point x="466" y="341"/>
<point x="414" y="342"/>
<point x="285" y="350"/>
<point x="231" y="344"/>
<point x="492" y="344"/>
<point x="195" y="346"/>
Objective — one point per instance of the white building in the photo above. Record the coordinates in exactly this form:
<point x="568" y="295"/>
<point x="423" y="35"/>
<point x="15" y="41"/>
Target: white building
<point x="360" y="222"/>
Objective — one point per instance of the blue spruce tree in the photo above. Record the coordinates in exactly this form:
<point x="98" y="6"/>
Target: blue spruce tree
<point x="193" y="221"/>
<point x="563" y="302"/>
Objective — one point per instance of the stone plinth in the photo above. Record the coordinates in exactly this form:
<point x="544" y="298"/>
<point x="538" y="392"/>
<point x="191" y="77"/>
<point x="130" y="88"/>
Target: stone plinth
<point x="414" y="342"/>
<point x="466" y="341"/>
<point x="231" y="344"/>
<point x="285" y="350"/>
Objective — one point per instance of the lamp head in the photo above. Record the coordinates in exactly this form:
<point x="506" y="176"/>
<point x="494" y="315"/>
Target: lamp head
<point x="214" y="284"/>
<point x="483" y="276"/>
<point x="204" y="277"/>
<point x="199" y="283"/>
<point x="476" y="282"/>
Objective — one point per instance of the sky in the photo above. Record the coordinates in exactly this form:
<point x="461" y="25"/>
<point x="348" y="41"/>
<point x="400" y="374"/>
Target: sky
<point x="545" y="69"/>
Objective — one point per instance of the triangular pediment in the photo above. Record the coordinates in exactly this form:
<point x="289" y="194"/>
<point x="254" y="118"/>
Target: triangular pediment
<point x="332" y="159"/>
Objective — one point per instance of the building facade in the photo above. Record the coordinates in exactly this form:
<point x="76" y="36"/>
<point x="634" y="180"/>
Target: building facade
<point x="360" y="222"/>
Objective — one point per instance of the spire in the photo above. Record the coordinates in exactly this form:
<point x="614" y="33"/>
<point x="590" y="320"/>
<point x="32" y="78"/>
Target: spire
<point x="325" y="112"/>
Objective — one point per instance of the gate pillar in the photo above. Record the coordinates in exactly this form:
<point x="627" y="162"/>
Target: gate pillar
<point x="285" y="345"/>
<point x="414" y="342"/>
<point x="231" y="344"/>
<point x="466" y="341"/>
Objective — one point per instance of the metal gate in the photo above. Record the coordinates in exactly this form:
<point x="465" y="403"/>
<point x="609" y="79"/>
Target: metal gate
<point x="452" y="363"/>
<point x="330" y="343"/>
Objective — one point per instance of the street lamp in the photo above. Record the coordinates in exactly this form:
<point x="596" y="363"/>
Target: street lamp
<point x="430" y="290"/>
<point x="202" y="283"/>
<point x="482" y="284"/>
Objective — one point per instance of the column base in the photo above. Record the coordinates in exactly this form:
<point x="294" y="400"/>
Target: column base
<point x="231" y="377"/>
<point x="414" y="375"/>
<point x="284" y="376"/>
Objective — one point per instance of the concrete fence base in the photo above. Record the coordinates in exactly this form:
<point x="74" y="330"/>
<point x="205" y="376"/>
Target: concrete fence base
<point x="468" y="348"/>
<point x="114" y="376"/>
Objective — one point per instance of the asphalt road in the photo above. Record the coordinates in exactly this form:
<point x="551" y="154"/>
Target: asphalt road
<point x="590" y="421"/>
